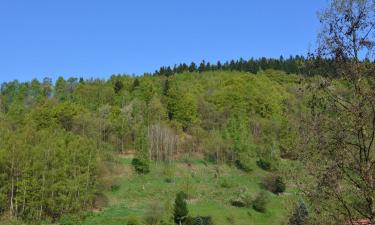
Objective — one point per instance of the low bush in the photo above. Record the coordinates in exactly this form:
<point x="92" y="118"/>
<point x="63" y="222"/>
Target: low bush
<point x="274" y="184"/>
<point x="242" y="199"/>
<point x="263" y="164"/>
<point x="242" y="166"/>
<point x="260" y="202"/>
<point x="141" y="166"/>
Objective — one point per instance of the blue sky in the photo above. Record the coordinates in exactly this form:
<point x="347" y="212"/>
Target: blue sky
<point x="97" y="38"/>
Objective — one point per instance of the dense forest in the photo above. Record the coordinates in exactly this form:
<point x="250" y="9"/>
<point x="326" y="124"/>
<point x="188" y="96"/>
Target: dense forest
<point x="240" y="142"/>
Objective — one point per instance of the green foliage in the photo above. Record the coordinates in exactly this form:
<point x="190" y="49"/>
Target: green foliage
<point x="274" y="184"/>
<point x="242" y="199"/>
<point x="180" y="208"/>
<point x="182" y="107"/>
<point x="260" y="202"/>
<point x="141" y="166"/>
<point x="264" y="164"/>
<point x="241" y="166"/>
<point x="300" y="215"/>
<point x="59" y="135"/>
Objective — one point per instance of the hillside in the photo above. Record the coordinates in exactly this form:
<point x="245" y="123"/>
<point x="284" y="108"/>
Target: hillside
<point x="210" y="129"/>
<point x="210" y="189"/>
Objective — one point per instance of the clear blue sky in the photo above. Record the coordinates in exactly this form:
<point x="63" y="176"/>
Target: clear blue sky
<point x="97" y="38"/>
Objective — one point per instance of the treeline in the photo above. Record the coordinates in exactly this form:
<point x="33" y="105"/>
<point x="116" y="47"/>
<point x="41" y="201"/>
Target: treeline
<point x="308" y="66"/>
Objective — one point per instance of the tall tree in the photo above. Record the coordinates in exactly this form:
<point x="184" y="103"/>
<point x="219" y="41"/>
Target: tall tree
<point x="343" y="116"/>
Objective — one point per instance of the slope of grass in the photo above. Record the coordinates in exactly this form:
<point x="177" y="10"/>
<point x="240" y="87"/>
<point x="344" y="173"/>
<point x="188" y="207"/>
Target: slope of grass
<point x="209" y="187"/>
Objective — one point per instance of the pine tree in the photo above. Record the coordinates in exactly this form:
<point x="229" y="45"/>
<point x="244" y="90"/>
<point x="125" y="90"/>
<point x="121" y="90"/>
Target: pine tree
<point x="300" y="215"/>
<point x="192" y="67"/>
<point x="180" y="208"/>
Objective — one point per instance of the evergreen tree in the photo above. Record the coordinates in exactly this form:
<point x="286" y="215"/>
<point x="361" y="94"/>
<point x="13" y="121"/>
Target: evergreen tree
<point x="202" y="67"/>
<point x="300" y="215"/>
<point x="118" y="86"/>
<point x="135" y="84"/>
<point x="192" y="67"/>
<point x="180" y="208"/>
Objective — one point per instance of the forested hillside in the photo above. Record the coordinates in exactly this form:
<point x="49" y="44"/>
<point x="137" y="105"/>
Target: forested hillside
<point x="247" y="142"/>
<point x="58" y="138"/>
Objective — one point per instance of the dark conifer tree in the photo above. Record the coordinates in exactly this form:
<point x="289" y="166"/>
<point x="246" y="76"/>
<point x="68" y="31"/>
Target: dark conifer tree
<point x="118" y="86"/>
<point x="180" y="208"/>
<point x="202" y="67"/>
<point x="192" y="67"/>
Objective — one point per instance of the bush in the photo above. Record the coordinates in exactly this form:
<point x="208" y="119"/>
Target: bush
<point x="243" y="199"/>
<point x="263" y="164"/>
<point x="274" y="184"/>
<point x="133" y="221"/>
<point x="241" y="166"/>
<point x="140" y="166"/>
<point x="260" y="202"/>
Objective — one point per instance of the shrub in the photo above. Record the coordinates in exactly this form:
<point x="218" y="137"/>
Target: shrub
<point x="263" y="164"/>
<point x="133" y="221"/>
<point x="242" y="199"/>
<point x="238" y="202"/>
<point x="274" y="184"/>
<point x="180" y="208"/>
<point x="140" y="166"/>
<point x="241" y="166"/>
<point x="260" y="202"/>
<point x="300" y="215"/>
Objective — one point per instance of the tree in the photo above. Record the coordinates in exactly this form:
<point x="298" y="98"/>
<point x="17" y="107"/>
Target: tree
<point x="340" y="152"/>
<point x="192" y="67"/>
<point x="348" y="28"/>
<point x="135" y="84"/>
<point x="300" y="215"/>
<point x="260" y="202"/>
<point x="47" y="87"/>
<point x="180" y="208"/>
<point x="61" y="89"/>
<point x="118" y="86"/>
<point x="202" y="66"/>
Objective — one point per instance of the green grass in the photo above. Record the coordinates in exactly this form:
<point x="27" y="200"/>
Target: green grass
<point x="207" y="197"/>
